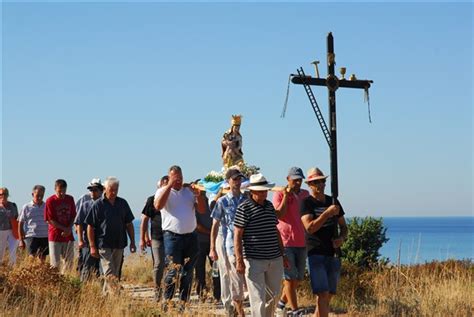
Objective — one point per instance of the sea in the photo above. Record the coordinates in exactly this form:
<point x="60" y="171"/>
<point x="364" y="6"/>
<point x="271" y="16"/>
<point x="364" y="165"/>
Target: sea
<point x="416" y="240"/>
<point x="419" y="240"/>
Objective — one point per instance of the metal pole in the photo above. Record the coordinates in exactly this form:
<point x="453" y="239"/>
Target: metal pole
<point x="332" y="116"/>
<point x="333" y="83"/>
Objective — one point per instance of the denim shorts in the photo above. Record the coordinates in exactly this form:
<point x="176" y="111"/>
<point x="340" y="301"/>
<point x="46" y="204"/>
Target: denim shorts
<point x="324" y="273"/>
<point x="297" y="260"/>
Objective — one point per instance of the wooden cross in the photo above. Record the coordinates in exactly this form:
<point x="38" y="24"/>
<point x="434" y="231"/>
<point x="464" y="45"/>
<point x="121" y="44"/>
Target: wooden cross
<point x="332" y="83"/>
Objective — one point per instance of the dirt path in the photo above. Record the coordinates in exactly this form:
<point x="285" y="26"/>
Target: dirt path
<point x="195" y="307"/>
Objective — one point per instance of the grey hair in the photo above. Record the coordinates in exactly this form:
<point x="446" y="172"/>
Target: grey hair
<point x="110" y="181"/>
<point x="175" y="168"/>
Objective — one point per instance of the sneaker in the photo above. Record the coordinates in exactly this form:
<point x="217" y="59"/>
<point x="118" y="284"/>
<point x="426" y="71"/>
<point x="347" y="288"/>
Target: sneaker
<point x="281" y="309"/>
<point x="280" y="312"/>
<point x="281" y="304"/>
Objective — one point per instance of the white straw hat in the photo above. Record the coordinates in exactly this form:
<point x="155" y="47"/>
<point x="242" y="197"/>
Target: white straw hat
<point x="259" y="182"/>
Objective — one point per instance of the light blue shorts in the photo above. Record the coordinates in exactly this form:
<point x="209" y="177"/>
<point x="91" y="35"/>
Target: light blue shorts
<point x="297" y="260"/>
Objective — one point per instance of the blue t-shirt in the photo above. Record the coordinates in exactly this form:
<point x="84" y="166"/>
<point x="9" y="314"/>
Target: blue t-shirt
<point x="224" y="211"/>
<point x="83" y="206"/>
<point x="110" y="222"/>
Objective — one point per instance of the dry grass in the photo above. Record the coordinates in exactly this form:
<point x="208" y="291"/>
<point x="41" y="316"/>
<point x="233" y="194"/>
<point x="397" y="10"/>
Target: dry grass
<point x="434" y="289"/>
<point x="34" y="289"/>
<point x="137" y="269"/>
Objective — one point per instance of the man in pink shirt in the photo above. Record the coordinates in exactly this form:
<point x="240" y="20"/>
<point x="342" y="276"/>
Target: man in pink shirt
<point x="287" y="204"/>
<point x="59" y="213"/>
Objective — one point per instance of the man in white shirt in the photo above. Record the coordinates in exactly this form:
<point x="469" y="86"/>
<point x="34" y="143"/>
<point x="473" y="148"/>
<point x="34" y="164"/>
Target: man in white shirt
<point x="178" y="204"/>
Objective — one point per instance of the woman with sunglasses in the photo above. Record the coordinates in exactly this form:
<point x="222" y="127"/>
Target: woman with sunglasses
<point x="320" y="218"/>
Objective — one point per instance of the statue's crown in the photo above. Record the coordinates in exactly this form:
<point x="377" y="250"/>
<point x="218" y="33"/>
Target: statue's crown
<point x="236" y="119"/>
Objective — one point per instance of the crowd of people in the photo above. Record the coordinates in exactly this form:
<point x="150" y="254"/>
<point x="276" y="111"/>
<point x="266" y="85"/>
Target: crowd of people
<point x="253" y="245"/>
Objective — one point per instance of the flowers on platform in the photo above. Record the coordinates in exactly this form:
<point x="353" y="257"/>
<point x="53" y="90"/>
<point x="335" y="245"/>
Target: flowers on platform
<point x="214" y="177"/>
<point x="217" y="177"/>
<point x="248" y="170"/>
<point x="214" y="180"/>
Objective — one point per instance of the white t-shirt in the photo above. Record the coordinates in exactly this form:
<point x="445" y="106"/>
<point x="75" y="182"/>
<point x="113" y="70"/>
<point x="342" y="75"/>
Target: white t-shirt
<point x="178" y="215"/>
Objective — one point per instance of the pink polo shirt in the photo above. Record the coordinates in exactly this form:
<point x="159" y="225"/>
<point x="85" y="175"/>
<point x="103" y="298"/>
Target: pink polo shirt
<point x="290" y="226"/>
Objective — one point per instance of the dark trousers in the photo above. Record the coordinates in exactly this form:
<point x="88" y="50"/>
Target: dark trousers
<point x="181" y="251"/>
<point x="89" y="266"/>
<point x="200" y="271"/>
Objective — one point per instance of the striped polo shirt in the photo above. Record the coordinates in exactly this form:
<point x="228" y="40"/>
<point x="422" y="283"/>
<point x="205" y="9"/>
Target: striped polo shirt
<point x="260" y="239"/>
<point x="33" y="217"/>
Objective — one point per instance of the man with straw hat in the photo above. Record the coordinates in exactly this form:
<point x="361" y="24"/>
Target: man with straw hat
<point x="320" y="218"/>
<point x="258" y="247"/>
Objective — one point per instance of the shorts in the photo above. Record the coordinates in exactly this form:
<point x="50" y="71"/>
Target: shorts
<point x="37" y="246"/>
<point x="324" y="272"/>
<point x="297" y="260"/>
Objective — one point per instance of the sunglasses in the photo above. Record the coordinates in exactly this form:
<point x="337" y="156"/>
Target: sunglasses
<point x="318" y="181"/>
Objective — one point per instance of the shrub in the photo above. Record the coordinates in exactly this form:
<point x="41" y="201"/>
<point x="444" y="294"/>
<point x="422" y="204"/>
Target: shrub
<point x="365" y="238"/>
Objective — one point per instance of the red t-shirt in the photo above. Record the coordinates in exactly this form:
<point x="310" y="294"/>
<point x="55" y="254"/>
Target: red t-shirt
<point x="63" y="211"/>
<point x="290" y="226"/>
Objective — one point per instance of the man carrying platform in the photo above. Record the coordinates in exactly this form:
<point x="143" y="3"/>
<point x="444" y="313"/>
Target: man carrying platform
<point x="222" y="244"/>
<point x="178" y="204"/>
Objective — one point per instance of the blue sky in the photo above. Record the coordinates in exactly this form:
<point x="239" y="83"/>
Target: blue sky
<point x="97" y="89"/>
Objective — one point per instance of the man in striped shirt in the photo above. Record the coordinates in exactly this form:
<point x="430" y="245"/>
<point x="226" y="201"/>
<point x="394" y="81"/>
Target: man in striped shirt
<point x="258" y="247"/>
<point x="33" y="230"/>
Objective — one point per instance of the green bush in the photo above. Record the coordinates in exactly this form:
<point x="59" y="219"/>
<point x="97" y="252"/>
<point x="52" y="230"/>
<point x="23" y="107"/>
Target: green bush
<point x="365" y="238"/>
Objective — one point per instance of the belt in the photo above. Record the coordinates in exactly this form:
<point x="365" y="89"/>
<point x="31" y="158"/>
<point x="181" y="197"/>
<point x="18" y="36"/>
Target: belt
<point x="178" y="234"/>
